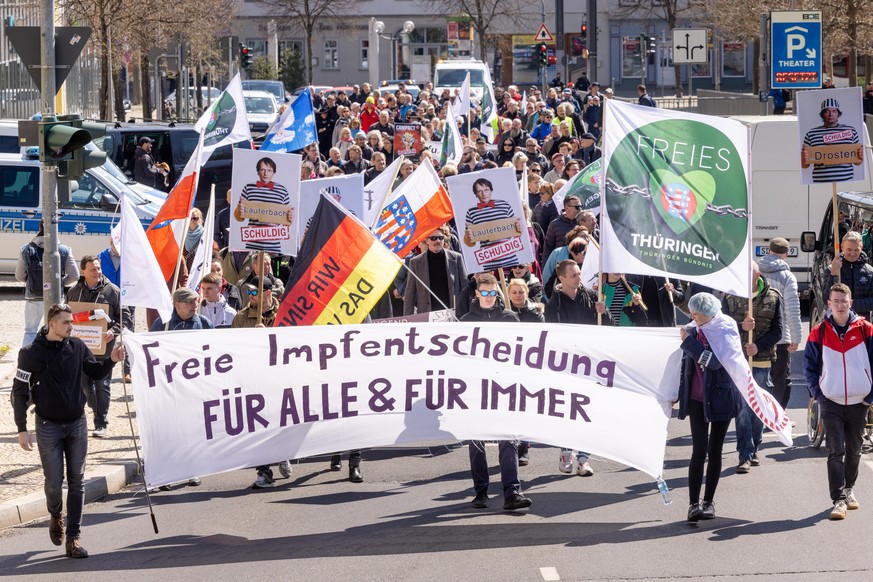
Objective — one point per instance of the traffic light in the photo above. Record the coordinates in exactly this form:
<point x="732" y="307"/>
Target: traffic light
<point x="59" y="139"/>
<point x="650" y="45"/>
<point x="84" y="158"/>
<point x="583" y="38"/>
<point x="543" y="54"/>
<point x="245" y="57"/>
<point x="643" y="41"/>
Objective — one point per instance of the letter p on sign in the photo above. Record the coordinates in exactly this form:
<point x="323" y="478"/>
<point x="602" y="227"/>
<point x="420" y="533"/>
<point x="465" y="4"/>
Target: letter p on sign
<point x="795" y="42"/>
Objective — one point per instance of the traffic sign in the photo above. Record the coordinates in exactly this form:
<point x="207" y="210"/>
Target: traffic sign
<point x="795" y="40"/>
<point x="543" y="34"/>
<point x="69" y="42"/>
<point x="689" y="46"/>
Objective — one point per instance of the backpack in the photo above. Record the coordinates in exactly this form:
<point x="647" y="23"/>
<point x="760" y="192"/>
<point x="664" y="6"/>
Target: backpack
<point x="786" y="95"/>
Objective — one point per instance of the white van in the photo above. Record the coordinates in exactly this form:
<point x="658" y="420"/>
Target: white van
<point x="87" y="207"/>
<point x="261" y="109"/>
<point x="781" y="205"/>
<point x="451" y="74"/>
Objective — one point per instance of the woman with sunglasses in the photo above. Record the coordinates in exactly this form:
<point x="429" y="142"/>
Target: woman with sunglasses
<point x="193" y="236"/>
<point x="505" y="152"/>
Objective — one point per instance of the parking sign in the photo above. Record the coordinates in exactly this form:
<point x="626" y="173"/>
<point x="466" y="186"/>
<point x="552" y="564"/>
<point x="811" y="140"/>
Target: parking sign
<point x="795" y="40"/>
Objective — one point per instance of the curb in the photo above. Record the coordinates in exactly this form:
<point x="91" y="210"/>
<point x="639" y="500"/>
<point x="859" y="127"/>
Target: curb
<point x="101" y="481"/>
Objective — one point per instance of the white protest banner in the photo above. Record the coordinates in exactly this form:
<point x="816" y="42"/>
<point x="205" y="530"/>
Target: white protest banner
<point x="347" y="190"/>
<point x="246" y="397"/>
<point x="676" y="197"/>
<point x="488" y="207"/>
<point x="265" y="201"/>
<point x="831" y="125"/>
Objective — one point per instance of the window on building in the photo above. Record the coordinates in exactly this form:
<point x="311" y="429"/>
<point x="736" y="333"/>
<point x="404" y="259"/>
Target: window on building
<point x="365" y="54"/>
<point x="631" y="57"/>
<point x="331" y="54"/>
<point x="285" y="45"/>
<point x="258" y="46"/>
<point x="733" y="59"/>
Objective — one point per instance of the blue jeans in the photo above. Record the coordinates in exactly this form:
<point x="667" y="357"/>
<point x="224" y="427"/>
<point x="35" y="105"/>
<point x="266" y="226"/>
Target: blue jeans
<point x="97" y="396"/>
<point x="33" y="312"/>
<point x="749" y="428"/>
<point x="56" y="442"/>
<point x="508" y="454"/>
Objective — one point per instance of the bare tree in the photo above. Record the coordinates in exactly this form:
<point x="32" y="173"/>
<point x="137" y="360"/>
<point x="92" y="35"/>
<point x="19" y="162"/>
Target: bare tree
<point x="489" y="17"/>
<point x="308" y="14"/>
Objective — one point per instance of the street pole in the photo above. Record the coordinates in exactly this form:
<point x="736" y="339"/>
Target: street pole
<point x="51" y="267"/>
<point x="542" y="67"/>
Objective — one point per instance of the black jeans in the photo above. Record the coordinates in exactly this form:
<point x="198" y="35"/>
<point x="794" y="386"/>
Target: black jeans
<point x="508" y="456"/>
<point x="780" y="375"/>
<point x="707" y="439"/>
<point x="57" y="442"/>
<point x="844" y="433"/>
<point x="97" y="395"/>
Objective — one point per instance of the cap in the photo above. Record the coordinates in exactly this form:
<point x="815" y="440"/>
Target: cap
<point x="184" y="295"/>
<point x="370" y="100"/>
<point x="831" y="103"/>
<point x="568" y="90"/>
<point x="595" y="83"/>
<point x="587" y="135"/>
<point x="256" y="283"/>
<point x="705" y="304"/>
<point x="145" y="139"/>
<point x="779" y="245"/>
<point x="480" y="140"/>
<point x="609" y="91"/>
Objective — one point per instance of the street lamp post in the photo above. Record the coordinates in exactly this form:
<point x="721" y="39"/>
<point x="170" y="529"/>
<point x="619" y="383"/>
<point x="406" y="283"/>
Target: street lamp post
<point x="377" y="27"/>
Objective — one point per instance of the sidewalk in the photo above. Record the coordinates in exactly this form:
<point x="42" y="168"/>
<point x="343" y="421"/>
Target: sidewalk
<point x="111" y="462"/>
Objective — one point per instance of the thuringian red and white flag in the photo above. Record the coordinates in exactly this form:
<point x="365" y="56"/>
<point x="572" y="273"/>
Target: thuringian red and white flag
<point x="340" y="274"/>
<point x="415" y="209"/>
<point x="165" y="230"/>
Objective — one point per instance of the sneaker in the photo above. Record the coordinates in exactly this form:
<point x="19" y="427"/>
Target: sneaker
<point x="285" y="469"/>
<point x="707" y="509"/>
<point x="195" y="482"/>
<point x="839" y="510"/>
<point x="851" y="500"/>
<point x="516" y="502"/>
<point x="263" y="481"/>
<point x="481" y="501"/>
<point x="99" y="433"/>
<point x="565" y="462"/>
<point x="74" y="550"/>
<point x="744" y="467"/>
<point x="584" y="470"/>
<point x="523" y="459"/>
<point x="56" y="529"/>
<point x="694" y="512"/>
<point x="755" y="461"/>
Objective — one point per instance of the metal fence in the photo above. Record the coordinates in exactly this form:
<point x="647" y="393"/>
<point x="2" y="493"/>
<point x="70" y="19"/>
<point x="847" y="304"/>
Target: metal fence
<point x="20" y="99"/>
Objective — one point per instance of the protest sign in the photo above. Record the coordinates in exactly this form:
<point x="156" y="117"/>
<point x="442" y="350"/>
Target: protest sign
<point x="407" y="140"/>
<point x="831" y="125"/>
<point x="347" y="190"/>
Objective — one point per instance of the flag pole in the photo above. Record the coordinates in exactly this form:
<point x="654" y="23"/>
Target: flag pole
<point x="835" y="210"/>
<point x="503" y="285"/>
<point x="749" y="235"/>
<point x="207" y="259"/>
<point x="261" y="288"/>
<point x="388" y="192"/>
<point x="178" y="260"/>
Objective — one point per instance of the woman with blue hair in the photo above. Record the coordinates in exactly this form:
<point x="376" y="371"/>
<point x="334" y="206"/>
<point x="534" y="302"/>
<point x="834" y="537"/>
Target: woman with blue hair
<point x="708" y="397"/>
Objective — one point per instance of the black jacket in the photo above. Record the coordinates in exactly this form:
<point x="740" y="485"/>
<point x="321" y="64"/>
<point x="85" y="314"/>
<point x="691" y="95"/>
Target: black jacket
<point x="859" y="277"/>
<point x="496" y="313"/>
<point x="721" y="400"/>
<point x="528" y="313"/>
<point x="580" y="309"/>
<point x="50" y="372"/>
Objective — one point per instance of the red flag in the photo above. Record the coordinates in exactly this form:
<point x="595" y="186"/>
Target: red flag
<point x="176" y="206"/>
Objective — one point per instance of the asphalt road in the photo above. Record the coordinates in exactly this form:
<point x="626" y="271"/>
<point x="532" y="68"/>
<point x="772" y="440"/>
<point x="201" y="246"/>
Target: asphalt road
<point x="412" y="520"/>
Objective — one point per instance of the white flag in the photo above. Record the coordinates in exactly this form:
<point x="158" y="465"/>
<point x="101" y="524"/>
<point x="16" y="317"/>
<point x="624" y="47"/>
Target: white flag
<point x="142" y="283"/>
<point x="463" y="102"/>
<point x="203" y="258"/>
<point x="377" y="191"/>
<point x="591" y="264"/>
<point x="226" y="121"/>
<point x="452" y="148"/>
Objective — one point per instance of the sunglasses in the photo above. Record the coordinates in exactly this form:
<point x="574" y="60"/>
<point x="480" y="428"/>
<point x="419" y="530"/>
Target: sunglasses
<point x="535" y="171"/>
<point x="436" y="238"/>
<point x="60" y="307"/>
<point x="578" y="249"/>
<point x="488" y="293"/>
<point x="254" y="292"/>
<point x="195" y="219"/>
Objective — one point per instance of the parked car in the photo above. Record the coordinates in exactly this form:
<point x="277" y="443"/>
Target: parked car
<point x="262" y="111"/>
<point x="277" y="88"/>
<point x="392" y="85"/>
<point x="174" y="143"/>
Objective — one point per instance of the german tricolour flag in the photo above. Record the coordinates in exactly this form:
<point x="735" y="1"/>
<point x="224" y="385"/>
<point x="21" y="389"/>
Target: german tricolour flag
<point x="340" y="274"/>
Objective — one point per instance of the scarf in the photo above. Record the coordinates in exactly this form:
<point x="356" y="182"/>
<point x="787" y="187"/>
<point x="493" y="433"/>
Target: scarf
<point x="193" y="238"/>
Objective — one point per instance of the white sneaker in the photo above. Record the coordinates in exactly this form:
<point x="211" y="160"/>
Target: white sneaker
<point x="851" y="500"/>
<point x="263" y="482"/>
<point x="584" y="470"/>
<point x="100" y="433"/>
<point x="285" y="469"/>
<point x="565" y="462"/>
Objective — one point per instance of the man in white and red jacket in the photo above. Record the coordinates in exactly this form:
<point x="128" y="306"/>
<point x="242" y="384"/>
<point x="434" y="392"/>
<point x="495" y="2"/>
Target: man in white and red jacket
<point x="837" y="366"/>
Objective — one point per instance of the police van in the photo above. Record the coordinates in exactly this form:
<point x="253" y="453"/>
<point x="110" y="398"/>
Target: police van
<point x="87" y="207"/>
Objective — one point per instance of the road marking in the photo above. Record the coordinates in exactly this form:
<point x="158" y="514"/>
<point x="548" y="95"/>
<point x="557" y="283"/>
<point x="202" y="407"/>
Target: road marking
<point x="550" y="574"/>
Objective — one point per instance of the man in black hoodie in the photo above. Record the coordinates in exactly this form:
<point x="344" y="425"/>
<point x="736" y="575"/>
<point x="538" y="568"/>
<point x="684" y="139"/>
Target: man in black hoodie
<point x="487" y="306"/>
<point x="50" y="374"/>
